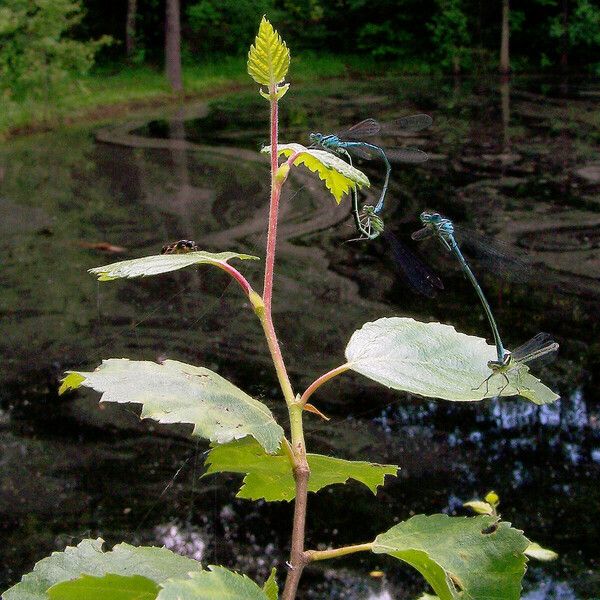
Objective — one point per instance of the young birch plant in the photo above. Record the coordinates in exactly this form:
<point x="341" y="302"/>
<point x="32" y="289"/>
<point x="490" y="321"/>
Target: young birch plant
<point x="478" y="557"/>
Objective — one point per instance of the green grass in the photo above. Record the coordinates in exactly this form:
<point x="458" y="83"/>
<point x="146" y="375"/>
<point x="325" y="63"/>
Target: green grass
<point x="111" y="92"/>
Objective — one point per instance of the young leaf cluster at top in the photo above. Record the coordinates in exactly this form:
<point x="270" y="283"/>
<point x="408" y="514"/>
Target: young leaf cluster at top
<point x="269" y="61"/>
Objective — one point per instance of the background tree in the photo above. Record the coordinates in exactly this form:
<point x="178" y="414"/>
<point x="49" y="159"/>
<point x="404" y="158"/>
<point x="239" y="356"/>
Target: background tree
<point x="173" y="45"/>
<point x="450" y="33"/>
<point x="225" y="26"/>
<point x="130" y="29"/>
<point x="38" y="54"/>
<point x="505" y="39"/>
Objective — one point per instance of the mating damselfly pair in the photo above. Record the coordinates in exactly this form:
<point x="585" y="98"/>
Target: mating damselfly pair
<point x="352" y="141"/>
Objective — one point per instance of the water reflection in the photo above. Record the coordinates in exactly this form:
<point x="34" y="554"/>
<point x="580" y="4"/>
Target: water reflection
<point x="201" y="178"/>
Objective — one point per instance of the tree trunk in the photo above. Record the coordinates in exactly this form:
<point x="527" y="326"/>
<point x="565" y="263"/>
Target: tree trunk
<point x="130" y="29"/>
<point x="173" y="45"/>
<point x="456" y="65"/>
<point x="504" y="48"/>
<point x="564" y="54"/>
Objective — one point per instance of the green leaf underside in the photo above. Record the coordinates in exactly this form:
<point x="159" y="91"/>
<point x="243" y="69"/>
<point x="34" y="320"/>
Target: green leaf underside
<point x="269" y="57"/>
<point x="115" y="587"/>
<point x="271" y="589"/>
<point x="435" y="360"/>
<point x="338" y="175"/>
<point x="175" y="392"/>
<point x="270" y="476"/>
<point x="163" y="263"/>
<point x="218" y="583"/>
<point x="155" y="564"/>
<point x="456" y="557"/>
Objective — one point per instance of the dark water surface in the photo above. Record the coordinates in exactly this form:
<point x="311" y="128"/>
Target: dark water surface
<point x="520" y="164"/>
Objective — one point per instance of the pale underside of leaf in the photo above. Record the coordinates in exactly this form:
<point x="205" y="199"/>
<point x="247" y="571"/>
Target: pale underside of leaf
<point x="339" y="177"/>
<point x="115" y="587"/>
<point x="175" y="392"/>
<point x="163" y="263"/>
<point x="474" y="558"/>
<point x="270" y="476"/>
<point x="217" y="583"/>
<point x="534" y="550"/>
<point x="156" y="564"/>
<point x="269" y="57"/>
<point x="434" y="360"/>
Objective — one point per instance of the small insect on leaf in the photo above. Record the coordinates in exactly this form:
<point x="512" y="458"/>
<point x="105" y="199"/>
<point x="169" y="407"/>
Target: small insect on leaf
<point x="268" y="58"/>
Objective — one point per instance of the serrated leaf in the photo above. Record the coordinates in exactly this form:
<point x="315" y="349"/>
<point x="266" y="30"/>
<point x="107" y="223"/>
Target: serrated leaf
<point x="536" y="551"/>
<point x="218" y="583"/>
<point x="339" y="177"/>
<point x="477" y="558"/>
<point x="269" y="57"/>
<point x="163" y="263"/>
<point x="270" y="476"/>
<point x="271" y="589"/>
<point x="175" y="392"/>
<point x="156" y="564"/>
<point x="480" y="507"/>
<point x="115" y="587"/>
<point x="435" y="360"/>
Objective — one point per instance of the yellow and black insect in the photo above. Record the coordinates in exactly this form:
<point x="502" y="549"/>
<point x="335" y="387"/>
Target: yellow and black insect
<point x="180" y="247"/>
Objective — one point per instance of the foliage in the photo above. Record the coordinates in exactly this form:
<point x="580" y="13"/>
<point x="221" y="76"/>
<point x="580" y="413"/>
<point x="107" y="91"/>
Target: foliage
<point x="217" y="582"/>
<point x="163" y="263"/>
<point x="38" y="55"/>
<point x="477" y="558"/>
<point x="269" y="476"/>
<point x="450" y="33"/>
<point x="225" y="26"/>
<point x="155" y="564"/>
<point x="173" y="392"/>
<point x="434" y="360"/>
<point x="339" y="177"/>
<point x="116" y="587"/>
<point x="268" y="58"/>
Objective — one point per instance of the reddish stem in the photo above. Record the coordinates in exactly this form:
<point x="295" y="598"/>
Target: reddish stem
<point x="236" y="275"/>
<point x="312" y="388"/>
<point x="273" y="212"/>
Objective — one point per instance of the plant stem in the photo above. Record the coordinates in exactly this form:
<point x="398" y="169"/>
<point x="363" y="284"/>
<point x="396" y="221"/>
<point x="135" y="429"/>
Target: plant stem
<point x="312" y="388"/>
<point x="237" y="276"/>
<point x="262" y="307"/>
<point x="312" y="555"/>
<point x="273" y="209"/>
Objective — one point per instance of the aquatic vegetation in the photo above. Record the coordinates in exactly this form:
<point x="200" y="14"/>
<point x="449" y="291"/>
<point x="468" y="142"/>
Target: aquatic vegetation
<point x="459" y="557"/>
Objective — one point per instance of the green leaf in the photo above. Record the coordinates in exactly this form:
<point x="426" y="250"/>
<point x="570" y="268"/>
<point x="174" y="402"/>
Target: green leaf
<point x="156" y="564"/>
<point x="270" y="476"/>
<point x="115" y="587"/>
<point x="163" y="263"/>
<point x="536" y="551"/>
<point x="477" y="558"/>
<point x="271" y="589"/>
<point x="427" y="597"/>
<point x="435" y="360"/>
<point x="175" y="392"/>
<point x="269" y="57"/>
<point x="218" y="583"/>
<point x="339" y="177"/>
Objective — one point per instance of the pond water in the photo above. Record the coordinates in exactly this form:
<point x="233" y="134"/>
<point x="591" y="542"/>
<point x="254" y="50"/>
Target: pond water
<point x="519" y="163"/>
